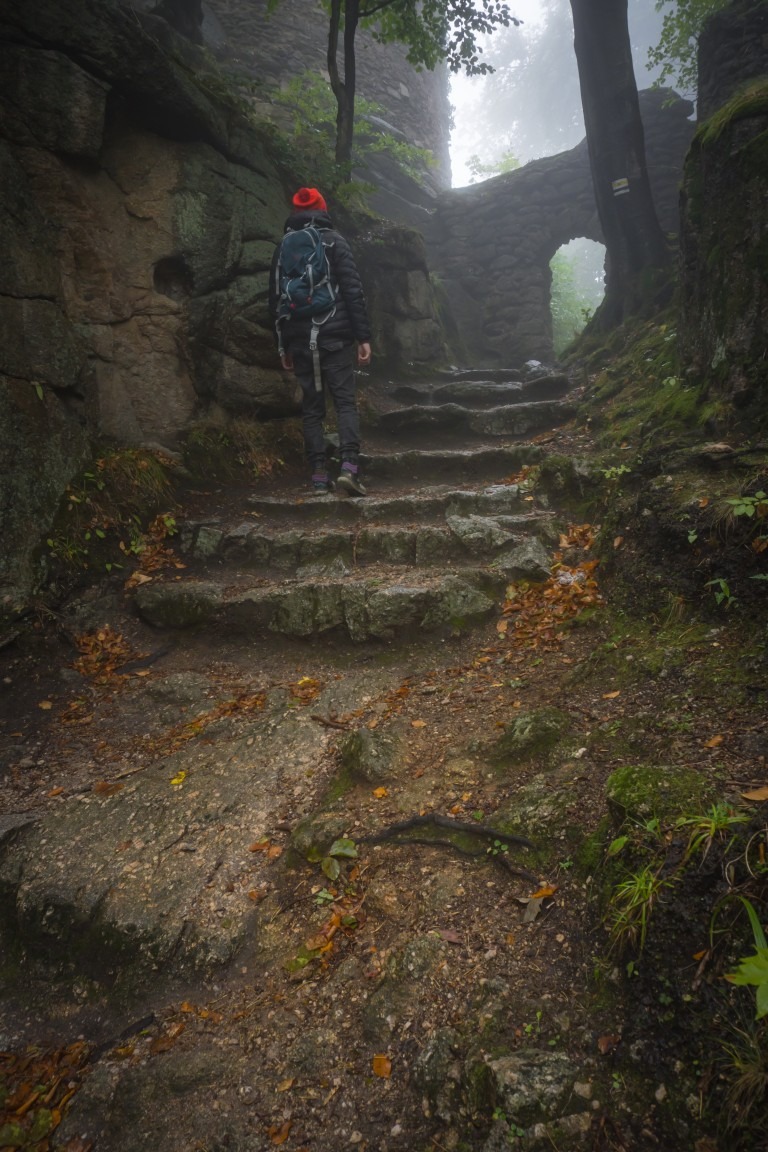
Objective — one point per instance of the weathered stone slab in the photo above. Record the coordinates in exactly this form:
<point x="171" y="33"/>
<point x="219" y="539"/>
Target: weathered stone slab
<point x="160" y="868"/>
<point x="451" y="465"/>
<point x="427" y="504"/>
<point x="363" y="607"/>
<point x="484" y="393"/>
<point x="511" y="420"/>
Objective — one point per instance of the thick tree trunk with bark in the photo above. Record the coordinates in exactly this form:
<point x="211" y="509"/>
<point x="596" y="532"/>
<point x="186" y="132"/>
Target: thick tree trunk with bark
<point x="634" y="241"/>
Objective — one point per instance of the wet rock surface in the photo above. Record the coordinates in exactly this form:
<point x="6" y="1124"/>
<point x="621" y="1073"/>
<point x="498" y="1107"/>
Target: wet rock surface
<point x="274" y="868"/>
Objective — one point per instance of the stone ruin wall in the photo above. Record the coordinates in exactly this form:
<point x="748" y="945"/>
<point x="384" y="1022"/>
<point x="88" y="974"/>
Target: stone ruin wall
<point x="490" y="244"/>
<point x="724" y="228"/>
<point x="275" y="47"/>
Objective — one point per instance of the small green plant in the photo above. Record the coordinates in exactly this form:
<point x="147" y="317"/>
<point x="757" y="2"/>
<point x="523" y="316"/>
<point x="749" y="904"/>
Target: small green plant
<point x="343" y="849"/>
<point x="746" y="1069"/>
<point x="498" y="847"/>
<point x="712" y="825"/>
<point x="721" y="592"/>
<point x="534" y="1029"/>
<point x="514" y="1130"/>
<point x="749" y="506"/>
<point x="323" y="898"/>
<point x="630" y="906"/>
<point x="753" y="970"/>
<point x="615" y="471"/>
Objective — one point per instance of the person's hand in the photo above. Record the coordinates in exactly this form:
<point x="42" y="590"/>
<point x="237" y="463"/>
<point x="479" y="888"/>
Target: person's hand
<point x="363" y="354"/>
<point x="287" y="361"/>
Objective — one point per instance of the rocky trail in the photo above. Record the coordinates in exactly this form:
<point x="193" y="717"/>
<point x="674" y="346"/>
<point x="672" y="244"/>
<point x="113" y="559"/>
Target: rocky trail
<point x="287" y="852"/>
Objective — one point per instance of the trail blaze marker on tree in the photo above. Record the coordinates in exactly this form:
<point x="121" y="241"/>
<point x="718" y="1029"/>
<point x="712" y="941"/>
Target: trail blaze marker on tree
<point x="620" y="187"/>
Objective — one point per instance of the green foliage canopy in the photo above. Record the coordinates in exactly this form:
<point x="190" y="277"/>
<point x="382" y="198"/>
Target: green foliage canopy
<point x="675" y="53"/>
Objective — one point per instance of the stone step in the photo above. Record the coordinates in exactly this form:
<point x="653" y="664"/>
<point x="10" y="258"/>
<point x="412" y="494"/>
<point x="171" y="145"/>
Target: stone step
<point x="372" y="608"/>
<point x="497" y="374"/>
<point x="486" y="463"/>
<point x="508" y="420"/>
<point x="429" y="504"/>
<point x="484" y="393"/>
<point x="468" y="538"/>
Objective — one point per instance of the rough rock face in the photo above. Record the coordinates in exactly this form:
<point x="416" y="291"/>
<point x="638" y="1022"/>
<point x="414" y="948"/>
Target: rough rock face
<point x="393" y="264"/>
<point x="491" y="244"/>
<point x="293" y="39"/>
<point x="724" y="230"/>
<point x="139" y="207"/>
<point x="733" y="49"/>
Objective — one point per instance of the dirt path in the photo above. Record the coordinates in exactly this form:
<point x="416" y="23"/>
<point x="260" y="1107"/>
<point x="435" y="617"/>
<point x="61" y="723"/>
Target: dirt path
<point x="211" y="910"/>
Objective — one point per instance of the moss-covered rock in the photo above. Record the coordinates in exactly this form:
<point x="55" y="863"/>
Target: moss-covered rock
<point x="530" y="735"/>
<point x="639" y="792"/>
<point x="369" y="756"/>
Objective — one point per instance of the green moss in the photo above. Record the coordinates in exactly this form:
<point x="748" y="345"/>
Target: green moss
<point x="590" y="853"/>
<point x="530" y="734"/>
<point x="639" y="792"/>
<point x="750" y="101"/>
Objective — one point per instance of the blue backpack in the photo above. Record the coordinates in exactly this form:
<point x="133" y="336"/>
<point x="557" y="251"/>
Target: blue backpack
<point x="304" y="286"/>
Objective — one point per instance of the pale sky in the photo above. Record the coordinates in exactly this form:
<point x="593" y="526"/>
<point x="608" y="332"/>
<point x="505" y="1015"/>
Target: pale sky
<point x="462" y="145"/>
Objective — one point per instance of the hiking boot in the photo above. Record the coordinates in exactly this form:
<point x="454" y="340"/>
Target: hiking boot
<point x="322" y="487"/>
<point x="349" y="484"/>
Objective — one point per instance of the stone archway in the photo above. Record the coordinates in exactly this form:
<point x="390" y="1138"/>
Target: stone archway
<point x="491" y="244"/>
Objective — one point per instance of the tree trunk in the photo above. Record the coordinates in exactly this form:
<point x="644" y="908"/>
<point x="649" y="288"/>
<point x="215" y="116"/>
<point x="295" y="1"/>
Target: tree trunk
<point x="344" y="90"/>
<point x="634" y="241"/>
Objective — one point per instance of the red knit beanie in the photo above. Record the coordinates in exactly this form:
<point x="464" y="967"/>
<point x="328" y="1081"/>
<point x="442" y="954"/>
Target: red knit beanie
<point x="309" y="199"/>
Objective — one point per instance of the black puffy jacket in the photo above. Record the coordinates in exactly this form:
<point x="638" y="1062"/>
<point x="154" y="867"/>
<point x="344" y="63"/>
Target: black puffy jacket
<point x="350" y="320"/>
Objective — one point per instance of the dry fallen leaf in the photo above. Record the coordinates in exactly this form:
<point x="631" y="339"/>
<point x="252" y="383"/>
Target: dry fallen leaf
<point x="450" y="936"/>
<point x="107" y="787"/>
<point x="714" y="742"/>
<point x="418" y="723"/>
<point x="618" y="541"/>
<point x="279" y="1133"/>
<point x="607" y="1044"/>
<point x="755" y="794"/>
<point x="260" y="845"/>
<point x="380" y="793"/>
<point x="55" y="792"/>
<point x="274" y="851"/>
<point x="45" y="705"/>
<point x="286" y="1085"/>
<point x="179" y="778"/>
<point x="612" y="695"/>
<point x="544" y="892"/>
<point x="382" y="1066"/>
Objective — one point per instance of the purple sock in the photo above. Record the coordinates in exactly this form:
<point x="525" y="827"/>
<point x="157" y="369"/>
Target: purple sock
<point x="319" y="477"/>
<point x="348" y="466"/>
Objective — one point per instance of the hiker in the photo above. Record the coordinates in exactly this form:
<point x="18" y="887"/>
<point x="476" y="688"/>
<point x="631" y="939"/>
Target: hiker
<point x="317" y="299"/>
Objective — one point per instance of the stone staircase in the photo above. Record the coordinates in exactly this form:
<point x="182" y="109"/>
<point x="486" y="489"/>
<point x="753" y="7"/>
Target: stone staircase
<point x="416" y="553"/>
<point x="204" y="749"/>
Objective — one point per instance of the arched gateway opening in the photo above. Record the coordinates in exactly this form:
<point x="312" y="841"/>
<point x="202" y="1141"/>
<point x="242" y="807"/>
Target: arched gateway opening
<point x="578" y="287"/>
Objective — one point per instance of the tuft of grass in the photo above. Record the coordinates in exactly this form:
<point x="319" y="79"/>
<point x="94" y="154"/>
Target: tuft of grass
<point x="241" y="450"/>
<point x="631" y="905"/>
<point x="105" y="505"/>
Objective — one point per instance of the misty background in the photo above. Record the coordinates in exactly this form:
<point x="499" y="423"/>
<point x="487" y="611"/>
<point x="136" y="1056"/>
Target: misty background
<point x="530" y="107"/>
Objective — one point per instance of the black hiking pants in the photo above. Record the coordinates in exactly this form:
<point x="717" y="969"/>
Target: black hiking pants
<point x="338" y="375"/>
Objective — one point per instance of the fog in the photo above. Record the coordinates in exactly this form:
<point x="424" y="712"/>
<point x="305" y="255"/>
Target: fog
<point x="530" y="106"/>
